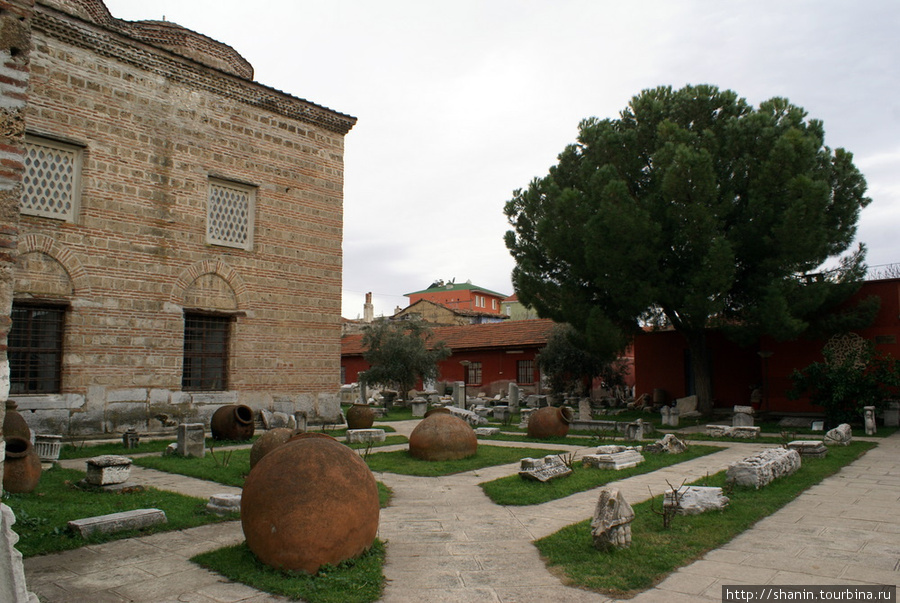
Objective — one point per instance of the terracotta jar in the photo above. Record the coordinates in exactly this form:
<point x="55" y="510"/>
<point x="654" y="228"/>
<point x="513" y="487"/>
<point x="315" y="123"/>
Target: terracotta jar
<point x="22" y="467"/>
<point x="232" y="422"/>
<point x="442" y="437"/>
<point x="550" y="421"/>
<point x="14" y="423"/>
<point x="309" y="502"/>
<point x="360" y="416"/>
<point x="268" y="442"/>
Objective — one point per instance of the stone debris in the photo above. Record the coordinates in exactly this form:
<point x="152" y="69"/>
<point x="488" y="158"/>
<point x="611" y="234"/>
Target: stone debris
<point x="669" y="444"/>
<point x="729" y="431"/>
<point x="814" y="449"/>
<point x="468" y="416"/>
<point x="224" y="504"/>
<point x="545" y="469"/>
<point x="611" y="524"/>
<point x="614" y="457"/>
<point x="365" y="436"/>
<point x="760" y="469"/>
<point x="693" y="500"/>
<point x="841" y="435"/>
<point x="108" y="469"/>
<point x="634" y="431"/>
<point x="487" y="431"/>
<point x="118" y="522"/>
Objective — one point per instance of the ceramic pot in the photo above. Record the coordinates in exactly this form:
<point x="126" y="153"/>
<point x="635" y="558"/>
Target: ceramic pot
<point x="232" y="422"/>
<point x="22" y="467"/>
<point x="550" y="421"/>
<point x="360" y="416"/>
<point x="268" y="442"/>
<point x="309" y="502"/>
<point x="442" y="437"/>
<point x="14" y="423"/>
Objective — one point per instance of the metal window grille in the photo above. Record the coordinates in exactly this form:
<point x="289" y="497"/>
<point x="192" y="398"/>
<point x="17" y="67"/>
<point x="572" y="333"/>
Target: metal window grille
<point x="229" y="215"/>
<point x="473" y="374"/>
<point x="52" y="180"/>
<point x="206" y="341"/>
<point x="35" y="349"/>
<point x="525" y="371"/>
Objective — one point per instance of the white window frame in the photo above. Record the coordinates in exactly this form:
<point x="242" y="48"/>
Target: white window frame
<point x="75" y="154"/>
<point x="212" y="236"/>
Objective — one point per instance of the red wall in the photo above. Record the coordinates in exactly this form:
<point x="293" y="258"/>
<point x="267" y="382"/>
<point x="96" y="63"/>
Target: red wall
<point x="660" y="358"/>
<point x="460" y="299"/>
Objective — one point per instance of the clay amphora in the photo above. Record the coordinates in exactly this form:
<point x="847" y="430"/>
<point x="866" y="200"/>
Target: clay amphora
<point x="360" y="416"/>
<point x="232" y="422"/>
<point x="22" y="467"/>
<point x="550" y="421"/>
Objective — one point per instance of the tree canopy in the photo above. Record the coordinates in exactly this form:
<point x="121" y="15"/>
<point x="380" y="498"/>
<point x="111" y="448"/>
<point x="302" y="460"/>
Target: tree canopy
<point x="400" y="353"/>
<point x="692" y="209"/>
<point x="571" y="368"/>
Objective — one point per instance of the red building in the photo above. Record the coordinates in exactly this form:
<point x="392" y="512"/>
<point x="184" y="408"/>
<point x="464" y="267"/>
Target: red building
<point x="662" y="360"/>
<point x="497" y="353"/>
<point x="462" y="296"/>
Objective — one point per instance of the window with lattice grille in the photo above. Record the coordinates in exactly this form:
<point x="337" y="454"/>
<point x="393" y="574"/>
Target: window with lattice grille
<point x="229" y="214"/>
<point x="52" y="181"/>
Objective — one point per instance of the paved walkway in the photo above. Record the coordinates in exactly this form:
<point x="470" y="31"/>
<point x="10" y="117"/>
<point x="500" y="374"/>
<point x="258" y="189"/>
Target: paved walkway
<point x="448" y="543"/>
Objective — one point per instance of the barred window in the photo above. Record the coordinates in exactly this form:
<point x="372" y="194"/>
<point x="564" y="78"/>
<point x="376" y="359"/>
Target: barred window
<point x="473" y="374"/>
<point x="35" y="349"/>
<point x="229" y="214"/>
<point x="205" y="352"/>
<point x="525" y="372"/>
<point x="52" y="179"/>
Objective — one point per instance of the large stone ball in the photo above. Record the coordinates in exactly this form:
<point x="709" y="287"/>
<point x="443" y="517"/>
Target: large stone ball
<point x="268" y="442"/>
<point x="311" y="501"/>
<point x="550" y="421"/>
<point x="442" y="437"/>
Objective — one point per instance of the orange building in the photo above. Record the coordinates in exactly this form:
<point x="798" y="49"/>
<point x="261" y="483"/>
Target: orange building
<point x="460" y="296"/>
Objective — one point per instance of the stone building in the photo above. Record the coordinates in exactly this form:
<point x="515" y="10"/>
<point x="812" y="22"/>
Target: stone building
<point x="179" y="242"/>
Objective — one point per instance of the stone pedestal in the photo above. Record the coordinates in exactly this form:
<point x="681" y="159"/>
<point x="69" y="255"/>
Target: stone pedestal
<point x="743" y="416"/>
<point x="191" y="440"/>
<point x="814" y="449"/>
<point x="108" y="469"/>
<point x="670" y="415"/>
<point x="502" y="413"/>
<point x="224" y="504"/>
<point x="634" y="431"/>
<point x="357" y="436"/>
<point x="869" y="416"/>
<point x="419" y="407"/>
<point x="513" y="397"/>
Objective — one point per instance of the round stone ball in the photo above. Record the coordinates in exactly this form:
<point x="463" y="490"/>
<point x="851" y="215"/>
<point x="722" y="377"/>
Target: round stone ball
<point x="442" y="437"/>
<point x="268" y="442"/>
<point x="311" y="501"/>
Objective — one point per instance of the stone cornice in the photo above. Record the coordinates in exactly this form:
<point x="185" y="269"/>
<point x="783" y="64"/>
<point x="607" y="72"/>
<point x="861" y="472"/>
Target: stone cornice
<point x="115" y="45"/>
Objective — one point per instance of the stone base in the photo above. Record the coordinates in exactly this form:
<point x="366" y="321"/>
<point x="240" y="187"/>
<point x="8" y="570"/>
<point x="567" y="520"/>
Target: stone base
<point x="813" y="449"/>
<point x="118" y="522"/>
<point x="760" y="469"/>
<point x="616" y="461"/>
<point x="728" y="431"/>
<point x="365" y="436"/>
<point x="224" y="504"/>
<point x="693" y="500"/>
<point x="487" y="431"/>
<point x="122" y="488"/>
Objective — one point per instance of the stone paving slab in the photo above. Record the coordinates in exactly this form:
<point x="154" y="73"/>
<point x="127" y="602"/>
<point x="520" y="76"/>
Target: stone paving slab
<point x="448" y="543"/>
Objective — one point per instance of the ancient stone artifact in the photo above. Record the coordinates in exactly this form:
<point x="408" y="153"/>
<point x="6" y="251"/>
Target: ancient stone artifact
<point x="869" y="418"/>
<point x="611" y="525"/>
<point x="223" y="504"/>
<point x="419" y="407"/>
<point x="108" y="469"/>
<point x="545" y="469"/>
<point x="442" y="436"/>
<point x="130" y="438"/>
<point x="360" y="416"/>
<point x="669" y="444"/>
<point x="670" y="415"/>
<point x="364" y="436"/>
<point x="760" y="469"/>
<point x="191" y="440"/>
<point x="743" y="416"/>
<point x="47" y="448"/>
<point x="268" y="442"/>
<point x="814" y="449"/>
<point x="22" y="466"/>
<point x="309" y="502"/>
<point x="550" y="421"/>
<point x="232" y="422"/>
<point x="487" y="431"/>
<point x="613" y="457"/>
<point x="634" y="431"/>
<point x="692" y="500"/>
<point x="841" y="435"/>
<point x="746" y="432"/>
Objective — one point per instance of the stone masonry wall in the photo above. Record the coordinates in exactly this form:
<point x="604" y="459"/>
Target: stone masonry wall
<point x="153" y="132"/>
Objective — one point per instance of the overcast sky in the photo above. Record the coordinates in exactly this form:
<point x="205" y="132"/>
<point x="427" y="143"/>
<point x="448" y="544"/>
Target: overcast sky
<point x="461" y="102"/>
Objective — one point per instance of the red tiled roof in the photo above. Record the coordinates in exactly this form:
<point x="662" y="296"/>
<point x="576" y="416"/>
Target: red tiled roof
<point x="510" y="334"/>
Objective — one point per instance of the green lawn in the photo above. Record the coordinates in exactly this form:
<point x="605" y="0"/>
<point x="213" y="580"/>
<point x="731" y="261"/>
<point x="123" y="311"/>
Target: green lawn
<point x="514" y="490"/>
<point x="42" y="515"/>
<point x="655" y="552"/>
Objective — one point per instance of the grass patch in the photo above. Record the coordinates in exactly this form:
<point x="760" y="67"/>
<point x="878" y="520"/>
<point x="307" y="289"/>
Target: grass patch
<point x="42" y="515"/>
<point x="513" y="490"/>
<point x="357" y="580"/>
<point x="655" y="552"/>
<point x="486" y="456"/>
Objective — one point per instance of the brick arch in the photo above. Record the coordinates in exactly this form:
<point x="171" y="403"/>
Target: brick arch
<point x="38" y="243"/>
<point x="220" y="269"/>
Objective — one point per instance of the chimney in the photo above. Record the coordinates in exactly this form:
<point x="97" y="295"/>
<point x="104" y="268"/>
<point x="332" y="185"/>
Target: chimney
<point x="368" y="309"/>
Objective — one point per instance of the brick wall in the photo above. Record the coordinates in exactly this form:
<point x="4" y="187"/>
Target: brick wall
<point x="154" y="128"/>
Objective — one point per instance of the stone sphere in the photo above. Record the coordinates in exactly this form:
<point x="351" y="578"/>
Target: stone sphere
<point x="268" y="442"/>
<point x="442" y="437"/>
<point x="311" y="501"/>
<point x="550" y="421"/>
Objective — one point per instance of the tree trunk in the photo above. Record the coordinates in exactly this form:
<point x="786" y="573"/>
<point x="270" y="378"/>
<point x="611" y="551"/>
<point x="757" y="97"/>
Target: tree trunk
<point x="700" y="370"/>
